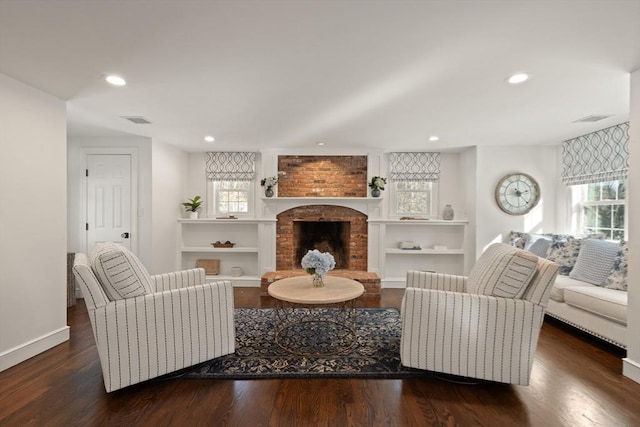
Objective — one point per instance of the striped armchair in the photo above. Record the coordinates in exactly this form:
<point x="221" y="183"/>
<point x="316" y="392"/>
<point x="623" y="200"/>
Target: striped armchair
<point x="147" y="326"/>
<point x="484" y="326"/>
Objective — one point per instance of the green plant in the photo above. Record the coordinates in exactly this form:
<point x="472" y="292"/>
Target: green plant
<point x="193" y="204"/>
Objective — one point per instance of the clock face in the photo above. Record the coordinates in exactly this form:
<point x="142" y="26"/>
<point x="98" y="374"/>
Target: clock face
<point x="517" y="193"/>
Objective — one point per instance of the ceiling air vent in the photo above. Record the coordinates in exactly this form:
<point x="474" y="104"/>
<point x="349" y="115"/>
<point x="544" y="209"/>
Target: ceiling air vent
<point x="593" y="118"/>
<point x="137" y="120"/>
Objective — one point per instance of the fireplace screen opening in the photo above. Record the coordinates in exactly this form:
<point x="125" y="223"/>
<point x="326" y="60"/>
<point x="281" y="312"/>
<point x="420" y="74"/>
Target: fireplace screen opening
<point x="325" y="236"/>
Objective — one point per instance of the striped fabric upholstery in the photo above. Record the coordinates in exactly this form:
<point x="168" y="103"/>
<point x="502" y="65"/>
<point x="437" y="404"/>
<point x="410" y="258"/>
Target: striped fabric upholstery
<point x="445" y="329"/>
<point x="177" y="279"/>
<point x="153" y="334"/>
<point x="439" y="281"/>
<point x="119" y="271"/>
<point x="93" y="294"/>
<point x="503" y="271"/>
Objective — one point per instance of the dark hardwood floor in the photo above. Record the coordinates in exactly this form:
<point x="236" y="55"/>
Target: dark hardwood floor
<point x="576" y="381"/>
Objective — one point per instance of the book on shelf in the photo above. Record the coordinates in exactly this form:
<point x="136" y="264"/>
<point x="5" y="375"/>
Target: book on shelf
<point x="408" y="245"/>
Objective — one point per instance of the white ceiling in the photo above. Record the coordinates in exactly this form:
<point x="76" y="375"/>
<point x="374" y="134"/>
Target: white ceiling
<point x="365" y="74"/>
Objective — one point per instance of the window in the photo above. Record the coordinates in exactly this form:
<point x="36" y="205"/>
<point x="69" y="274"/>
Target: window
<point x="602" y="208"/>
<point x="230" y="197"/>
<point x="414" y="197"/>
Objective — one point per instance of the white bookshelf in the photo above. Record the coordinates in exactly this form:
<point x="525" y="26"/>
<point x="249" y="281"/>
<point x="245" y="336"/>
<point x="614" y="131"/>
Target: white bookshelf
<point x="195" y="238"/>
<point x="442" y="247"/>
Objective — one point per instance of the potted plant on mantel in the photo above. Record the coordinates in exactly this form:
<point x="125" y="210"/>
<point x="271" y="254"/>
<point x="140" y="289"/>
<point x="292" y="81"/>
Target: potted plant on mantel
<point x="192" y="206"/>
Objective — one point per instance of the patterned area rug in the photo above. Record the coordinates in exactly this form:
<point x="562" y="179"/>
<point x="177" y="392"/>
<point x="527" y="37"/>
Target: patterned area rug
<point x="375" y="355"/>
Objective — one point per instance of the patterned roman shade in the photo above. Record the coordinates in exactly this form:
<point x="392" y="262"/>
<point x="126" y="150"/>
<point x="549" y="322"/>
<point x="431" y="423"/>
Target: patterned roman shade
<point x="231" y="166"/>
<point x="596" y="157"/>
<point x="415" y="166"/>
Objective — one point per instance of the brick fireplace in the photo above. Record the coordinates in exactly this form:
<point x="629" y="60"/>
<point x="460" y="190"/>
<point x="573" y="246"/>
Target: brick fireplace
<point x="337" y="229"/>
<point x="304" y="221"/>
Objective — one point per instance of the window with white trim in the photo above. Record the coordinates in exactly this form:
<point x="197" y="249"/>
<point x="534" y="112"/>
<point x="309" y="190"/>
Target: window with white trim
<point x="230" y="197"/>
<point x="602" y="208"/>
<point x="413" y="198"/>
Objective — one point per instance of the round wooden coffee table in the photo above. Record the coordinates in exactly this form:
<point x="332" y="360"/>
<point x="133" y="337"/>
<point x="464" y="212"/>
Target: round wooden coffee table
<point x="312" y="321"/>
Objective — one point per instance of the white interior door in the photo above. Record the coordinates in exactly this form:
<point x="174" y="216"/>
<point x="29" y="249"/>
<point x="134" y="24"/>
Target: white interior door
<point x="109" y="215"/>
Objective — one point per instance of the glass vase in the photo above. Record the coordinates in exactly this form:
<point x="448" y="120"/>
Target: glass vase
<point x="317" y="280"/>
<point x="268" y="192"/>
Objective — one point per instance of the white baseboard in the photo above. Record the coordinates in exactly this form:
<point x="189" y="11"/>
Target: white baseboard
<point x="25" y="351"/>
<point x="631" y="369"/>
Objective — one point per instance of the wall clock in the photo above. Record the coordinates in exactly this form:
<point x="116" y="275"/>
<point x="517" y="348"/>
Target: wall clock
<point x="517" y="193"/>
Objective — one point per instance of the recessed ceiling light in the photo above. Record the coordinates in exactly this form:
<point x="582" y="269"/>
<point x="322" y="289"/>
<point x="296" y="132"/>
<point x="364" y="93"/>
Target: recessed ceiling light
<point x="518" y="78"/>
<point x="209" y="138"/>
<point x="115" y="80"/>
<point x="433" y="138"/>
<point x="320" y="143"/>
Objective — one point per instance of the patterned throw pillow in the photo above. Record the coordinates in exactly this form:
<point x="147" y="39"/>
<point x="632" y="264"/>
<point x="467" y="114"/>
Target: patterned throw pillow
<point x="502" y="271"/>
<point x="518" y="239"/>
<point x="618" y="277"/>
<point x="595" y="261"/>
<point x="564" y="251"/>
<point x="119" y="272"/>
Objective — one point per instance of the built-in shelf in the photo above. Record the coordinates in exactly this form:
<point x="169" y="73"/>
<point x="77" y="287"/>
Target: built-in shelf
<point x="212" y="249"/>
<point x="224" y="221"/>
<point x="427" y="234"/>
<point x="419" y="221"/>
<point x="425" y="251"/>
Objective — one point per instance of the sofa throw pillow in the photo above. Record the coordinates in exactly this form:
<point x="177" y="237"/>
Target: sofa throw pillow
<point x="502" y="271"/>
<point x="518" y="239"/>
<point x="595" y="261"/>
<point x="119" y="271"/>
<point x="617" y="279"/>
<point x="538" y="244"/>
<point x="564" y="252"/>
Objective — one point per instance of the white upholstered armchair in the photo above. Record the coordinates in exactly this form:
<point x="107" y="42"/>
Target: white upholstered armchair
<point x="147" y="326"/>
<point x="483" y="326"/>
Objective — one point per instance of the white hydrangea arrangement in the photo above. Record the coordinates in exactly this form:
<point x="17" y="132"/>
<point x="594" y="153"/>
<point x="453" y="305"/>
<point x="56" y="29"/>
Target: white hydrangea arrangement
<point x="316" y="262"/>
<point x="269" y="181"/>
<point x="377" y="182"/>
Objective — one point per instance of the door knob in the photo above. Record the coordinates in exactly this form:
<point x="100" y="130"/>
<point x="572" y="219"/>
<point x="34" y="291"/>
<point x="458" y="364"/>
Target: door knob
<point x="125" y="235"/>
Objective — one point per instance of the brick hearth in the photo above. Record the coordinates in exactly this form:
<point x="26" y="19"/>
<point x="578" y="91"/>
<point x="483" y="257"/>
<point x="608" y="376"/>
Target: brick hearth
<point x="370" y="281"/>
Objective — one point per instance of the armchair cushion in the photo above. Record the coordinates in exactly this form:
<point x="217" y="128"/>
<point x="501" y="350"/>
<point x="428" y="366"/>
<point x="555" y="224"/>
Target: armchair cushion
<point x="502" y="271"/>
<point x="119" y="272"/>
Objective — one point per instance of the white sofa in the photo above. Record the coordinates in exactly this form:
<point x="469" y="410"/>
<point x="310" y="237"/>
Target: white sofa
<point x="599" y="311"/>
<point x="589" y="292"/>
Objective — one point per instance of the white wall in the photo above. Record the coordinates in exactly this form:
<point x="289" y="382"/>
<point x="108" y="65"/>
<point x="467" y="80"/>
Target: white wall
<point x="33" y="222"/>
<point x="492" y="224"/>
<point x="468" y="178"/>
<point x="78" y="147"/>
<point x="169" y="181"/>
<point x="631" y="365"/>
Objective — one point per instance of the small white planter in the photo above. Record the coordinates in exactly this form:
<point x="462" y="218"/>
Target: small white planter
<point x="193" y="215"/>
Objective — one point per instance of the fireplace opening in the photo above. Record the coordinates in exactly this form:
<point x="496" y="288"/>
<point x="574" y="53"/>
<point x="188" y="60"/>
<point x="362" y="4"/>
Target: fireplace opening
<point x="325" y="236"/>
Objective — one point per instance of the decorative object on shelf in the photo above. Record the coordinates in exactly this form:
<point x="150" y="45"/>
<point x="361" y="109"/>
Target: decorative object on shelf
<point x="236" y="271"/>
<point x="447" y="212"/>
<point x="377" y="183"/>
<point x="226" y="244"/>
<point x="318" y="264"/>
<point x="192" y="206"/>
<point x="517" y="193"/>
<point x="211" y="266"/>
<point x="269" y="182"/>
<point x="409" y="245"/>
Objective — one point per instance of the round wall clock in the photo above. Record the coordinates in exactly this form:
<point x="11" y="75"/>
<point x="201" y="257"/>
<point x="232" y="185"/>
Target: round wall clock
<point x="517" y="193"/>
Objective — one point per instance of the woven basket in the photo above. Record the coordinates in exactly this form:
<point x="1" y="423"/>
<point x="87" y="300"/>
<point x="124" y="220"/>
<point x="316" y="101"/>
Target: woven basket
<point x="211" y="266"/>
<point x="223" y="245"/>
